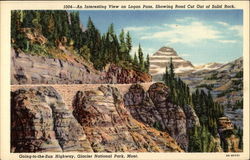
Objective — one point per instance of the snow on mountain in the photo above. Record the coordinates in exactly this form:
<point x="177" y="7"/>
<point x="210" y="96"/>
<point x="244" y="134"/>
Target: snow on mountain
<point x="160" y="59"/>
<point x="207" y="67"/>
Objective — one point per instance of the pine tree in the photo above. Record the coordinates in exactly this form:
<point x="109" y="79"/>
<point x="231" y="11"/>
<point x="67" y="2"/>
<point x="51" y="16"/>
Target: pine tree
<point x="172" y="75"/>
<point x="147" y="64"/>
<point x="27" y="19"/>
<point x="111" y="29"/>
<point x="128" y="42"/>
<point x="135" y="60"/>
<point x="141" y="59"/>
<point x="123" y="48"/>
<point x="128" y="45"/>
<point x="15" y="24"/>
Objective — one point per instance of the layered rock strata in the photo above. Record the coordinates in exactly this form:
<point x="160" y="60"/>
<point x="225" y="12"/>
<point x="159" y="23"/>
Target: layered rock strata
<point x="40" y="122"/>
<point x="160" y="59"/>
<point x="30" y="69"/>
<point x="155" y="109"/>
<point x="111" y="128"/>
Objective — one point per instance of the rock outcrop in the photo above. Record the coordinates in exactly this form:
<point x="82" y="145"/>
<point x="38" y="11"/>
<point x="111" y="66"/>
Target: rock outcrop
<point x="154" y="108"/>
<point x="111" y="128"/>
<point x="30" y="69"/>
<point x="228" y="138"/>
<point x="40" y="122"/>
<point x="116" y="74"/>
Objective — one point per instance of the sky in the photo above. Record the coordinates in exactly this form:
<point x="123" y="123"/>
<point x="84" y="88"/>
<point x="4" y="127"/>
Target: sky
<point x="200" y="36"/>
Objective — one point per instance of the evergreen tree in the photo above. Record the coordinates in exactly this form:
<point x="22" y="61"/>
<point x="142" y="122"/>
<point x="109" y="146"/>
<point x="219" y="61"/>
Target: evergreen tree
<point x="128" y="42"/>
<point x="147" y="64"/>
<point x="135" y="60"/>
<point x="141" y="59"/>
<point x="172" y="75"/>
<point x="123" y="48"/>
<point x="128" y="45"/>
<point x="111" y="30"/>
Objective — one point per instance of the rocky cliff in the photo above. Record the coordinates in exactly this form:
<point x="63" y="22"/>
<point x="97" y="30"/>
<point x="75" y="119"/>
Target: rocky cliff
<point x="154" y="108"/>
<point x="41" y="122"/>
<point x="31" y="69"/>
<point x="228" y="138"/>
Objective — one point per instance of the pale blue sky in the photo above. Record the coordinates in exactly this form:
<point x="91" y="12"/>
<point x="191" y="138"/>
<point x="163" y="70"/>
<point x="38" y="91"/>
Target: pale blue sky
<point x="200" y="36"/>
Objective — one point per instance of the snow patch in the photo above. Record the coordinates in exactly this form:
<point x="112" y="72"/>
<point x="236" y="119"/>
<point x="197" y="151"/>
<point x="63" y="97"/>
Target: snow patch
<point x="183" y="69"/>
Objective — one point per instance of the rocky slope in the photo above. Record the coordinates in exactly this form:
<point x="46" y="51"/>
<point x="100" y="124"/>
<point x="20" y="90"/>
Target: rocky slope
<point x="31" y="69"/>
<point x="41" y="122"/>
<point x="154" y="108"/>
<point x="160" y="59"/>
<point x="207" y="67"/>
<point x="225" y="84"/>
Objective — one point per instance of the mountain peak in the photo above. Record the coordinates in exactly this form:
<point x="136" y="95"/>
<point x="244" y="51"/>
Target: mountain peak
<point x="160" y="59"/>
<point x="166" y="49"/>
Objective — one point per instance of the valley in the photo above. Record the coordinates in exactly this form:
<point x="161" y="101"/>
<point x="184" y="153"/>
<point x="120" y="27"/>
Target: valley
<point x="223" y="81"/>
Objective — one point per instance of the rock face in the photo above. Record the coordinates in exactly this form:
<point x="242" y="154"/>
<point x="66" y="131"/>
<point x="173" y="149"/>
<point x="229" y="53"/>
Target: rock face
<point x="110" y="128"/>
<point x="154" y="108"/>
<point x="229" y="139"/>
<point x="28" y="69"/>
<point x="40" y="122"/>
<point x="160" y="59"/>
<point x="120" y="75"/>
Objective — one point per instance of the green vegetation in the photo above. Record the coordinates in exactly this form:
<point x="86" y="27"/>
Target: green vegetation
<point x="179" y="91"/>
<point x="239" y="74"/>
<point x="240" y="135"/>
<point x="62" y="28"/>
<point x="206" y="109"/>
<point x="201" y="140"/>
<point x="238" y="105"/>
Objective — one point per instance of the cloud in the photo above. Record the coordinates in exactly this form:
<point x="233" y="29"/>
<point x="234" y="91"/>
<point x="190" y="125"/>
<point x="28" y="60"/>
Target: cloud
<point x="186" y="19"/>
<point x="148" y="50"/>
<point x="133" y="28"/>
<point x="145" y="50"/>
<point x="188" y="33"/>
<point x="227" y="41"/>
<point x="238" y="29"/>
<point x="223" y="23"/>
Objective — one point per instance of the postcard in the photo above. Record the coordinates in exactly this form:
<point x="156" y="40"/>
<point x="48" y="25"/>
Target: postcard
<point x="124" y="80"/>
